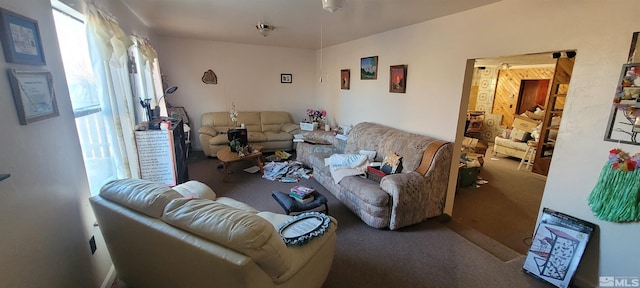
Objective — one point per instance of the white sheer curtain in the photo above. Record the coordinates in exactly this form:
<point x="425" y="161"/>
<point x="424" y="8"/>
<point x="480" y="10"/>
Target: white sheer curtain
<point x="108" y="46"/>
<point x="146" y="77"/>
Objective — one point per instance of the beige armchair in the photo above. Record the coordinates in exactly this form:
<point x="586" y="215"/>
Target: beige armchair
<point x="187" y="237"/>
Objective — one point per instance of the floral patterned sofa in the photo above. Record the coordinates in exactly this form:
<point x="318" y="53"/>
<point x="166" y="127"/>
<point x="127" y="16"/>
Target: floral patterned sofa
<point x="416" y="193"/>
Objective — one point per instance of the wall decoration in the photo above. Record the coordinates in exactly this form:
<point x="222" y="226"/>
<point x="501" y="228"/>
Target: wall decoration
<point x="634" y="57"/>
<point x="345" y="79"/>
<point x="209" y="77"/>
<point x="615" y="196"/>
<point x="286" y="78"/>
<point x="20" y="39"/>
<point x="369" y="68"/>
<point x="398" y="79"/>
<point x="624" y="119"/>
<point x="558" y="244"/>
<point x="33" y="95"/>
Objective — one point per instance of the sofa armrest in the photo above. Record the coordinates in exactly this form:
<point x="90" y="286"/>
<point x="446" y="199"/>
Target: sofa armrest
<point x="313" y="259"/>
<point x="208" y="130"/>
<point x="409" y="194"/>
<point x="291" y="128"/>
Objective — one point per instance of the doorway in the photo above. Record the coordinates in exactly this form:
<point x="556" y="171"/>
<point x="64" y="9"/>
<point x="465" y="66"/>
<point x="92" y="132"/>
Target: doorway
<point x="505" y="206"/>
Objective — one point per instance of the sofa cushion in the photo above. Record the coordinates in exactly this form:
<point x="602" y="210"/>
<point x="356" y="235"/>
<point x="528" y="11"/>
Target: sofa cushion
<point x="221" y="139"/>
<point x="366" y="190"/>
<point x="236" y="229"/>
<point x="255" y="137"/>
<point x="149" y="198"/>
<point x="195" y="189"/>
<point x="251" y="121"/>
<point x="278" y="136"/>
<point x="274" y="120"/>
<point x="236" y="204"/>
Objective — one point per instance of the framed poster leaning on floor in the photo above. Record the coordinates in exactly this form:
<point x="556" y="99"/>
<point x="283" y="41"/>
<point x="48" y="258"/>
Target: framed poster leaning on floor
<point x="557" y="247"/>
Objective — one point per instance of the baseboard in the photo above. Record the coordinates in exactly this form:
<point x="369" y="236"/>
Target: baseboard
<point x="108" y="280"/>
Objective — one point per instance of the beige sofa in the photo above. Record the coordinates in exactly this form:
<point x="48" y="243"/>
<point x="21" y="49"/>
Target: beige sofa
<point x="273" y="130"/>
<point x="157" y="237"/>
<point x="399" y="200"/>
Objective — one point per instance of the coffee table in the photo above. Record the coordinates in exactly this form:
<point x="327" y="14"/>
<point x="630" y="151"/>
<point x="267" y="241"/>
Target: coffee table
<point x="227" y="157"/>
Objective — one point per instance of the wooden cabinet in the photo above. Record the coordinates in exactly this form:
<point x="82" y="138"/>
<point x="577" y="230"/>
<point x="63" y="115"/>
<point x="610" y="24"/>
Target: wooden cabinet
<point x="553" y="114"/>
<point x="162" y="154"/>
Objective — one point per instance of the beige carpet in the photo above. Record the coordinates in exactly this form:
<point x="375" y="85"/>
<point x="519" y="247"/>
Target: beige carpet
<point x="506" y="208"/>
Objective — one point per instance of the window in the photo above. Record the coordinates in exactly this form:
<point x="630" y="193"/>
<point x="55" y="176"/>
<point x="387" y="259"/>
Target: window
<point x="96" y="149"/>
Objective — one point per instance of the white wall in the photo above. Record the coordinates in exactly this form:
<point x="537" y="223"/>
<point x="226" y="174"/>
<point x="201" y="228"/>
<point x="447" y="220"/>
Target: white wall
<point x="248" y="75"/>
<point x="436" y="52"/>
<point x="44" y="243"/>
<point x="45" y="217"/>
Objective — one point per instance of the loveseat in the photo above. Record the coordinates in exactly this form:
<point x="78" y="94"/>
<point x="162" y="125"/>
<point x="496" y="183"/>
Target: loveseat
<point x="273" y="130"/>
<point x="416" y="193"/>
<point x="185" y="236"/>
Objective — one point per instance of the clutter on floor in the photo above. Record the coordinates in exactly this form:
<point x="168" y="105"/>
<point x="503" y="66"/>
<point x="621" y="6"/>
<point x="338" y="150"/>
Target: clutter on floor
<point x="287" y="171"/>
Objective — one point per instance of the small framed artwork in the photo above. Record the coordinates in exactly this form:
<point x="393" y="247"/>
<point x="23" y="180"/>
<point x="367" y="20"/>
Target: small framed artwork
<point x="345" y="79"/>
<point x="20" y="39"/>
<point x="175" y="112"/>
<point x="369" y="68"/>
<point x="558" y="244"/>
<point x="33" y="95"/>
<point x="624" y="120"/>
<point x="286" y="78"/>
<point x="398" y="79"/>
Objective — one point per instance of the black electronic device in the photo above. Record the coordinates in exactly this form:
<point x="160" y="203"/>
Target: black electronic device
<point x="238" y="133"/>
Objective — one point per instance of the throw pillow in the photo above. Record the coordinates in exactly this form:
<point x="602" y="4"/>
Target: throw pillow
<point x="391" y="164"/>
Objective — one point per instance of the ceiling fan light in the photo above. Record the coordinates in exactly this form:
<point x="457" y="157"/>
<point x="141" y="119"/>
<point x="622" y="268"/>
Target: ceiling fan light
<point x="264" y="29"/>
<point x="332" y="5"/>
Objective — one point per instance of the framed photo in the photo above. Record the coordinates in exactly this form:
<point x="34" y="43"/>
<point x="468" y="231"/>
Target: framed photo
<point x="624" y="119"/>
<point x="33" y="95"/>
<point x="398" y="79"/>
<point x="20" y="39"/>
<point x="345" y="79"/>
<point x="369" y="68"/>
<point x="558" y="244"/>
<point x="286" y="78"/>
<point x="178" y="112"/>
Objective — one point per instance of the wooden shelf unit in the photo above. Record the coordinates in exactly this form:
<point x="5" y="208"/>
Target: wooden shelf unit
<point x="554" y="108"/>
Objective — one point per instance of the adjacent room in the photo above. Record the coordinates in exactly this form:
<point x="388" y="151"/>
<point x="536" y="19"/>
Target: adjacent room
<point x="319" y="143"/>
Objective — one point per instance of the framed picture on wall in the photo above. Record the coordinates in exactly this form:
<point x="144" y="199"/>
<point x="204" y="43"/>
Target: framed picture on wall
<point x="33" y="95"/>
<point x="624" y="119"/>
<point x="286" y="78"/>
<point x="20" y="39"/>
<point x="369" y="68"/>
<point x="398" y="79"/>
<point x="345" y="79"/>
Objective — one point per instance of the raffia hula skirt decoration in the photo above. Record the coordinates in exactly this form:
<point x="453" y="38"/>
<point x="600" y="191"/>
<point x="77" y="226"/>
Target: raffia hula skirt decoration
<point x="616" y="196"/>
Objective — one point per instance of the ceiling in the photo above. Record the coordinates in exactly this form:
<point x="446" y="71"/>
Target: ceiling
<point x="298" y="22"/>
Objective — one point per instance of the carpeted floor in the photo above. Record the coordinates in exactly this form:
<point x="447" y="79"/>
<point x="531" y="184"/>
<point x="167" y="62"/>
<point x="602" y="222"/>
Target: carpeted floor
<point x="428" y="254"/>
<point x="506" y="208"/>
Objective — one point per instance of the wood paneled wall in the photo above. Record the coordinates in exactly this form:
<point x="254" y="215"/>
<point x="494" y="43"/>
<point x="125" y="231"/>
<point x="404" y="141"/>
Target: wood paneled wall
<point x="509" y="84"/>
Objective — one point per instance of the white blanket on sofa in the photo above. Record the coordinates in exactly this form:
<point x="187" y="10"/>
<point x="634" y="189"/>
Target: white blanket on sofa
<point x="343" y="165"/>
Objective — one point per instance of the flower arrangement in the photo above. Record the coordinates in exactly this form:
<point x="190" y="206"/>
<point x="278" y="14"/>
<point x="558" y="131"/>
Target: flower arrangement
<point x="234" y="114"/>
<point x="316" y="115"/>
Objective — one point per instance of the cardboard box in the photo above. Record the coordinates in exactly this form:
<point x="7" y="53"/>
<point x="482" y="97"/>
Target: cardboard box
<point x="524" y="124"/>
<point x="519" y="135"/>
